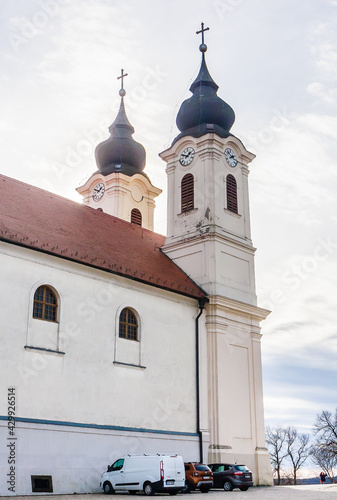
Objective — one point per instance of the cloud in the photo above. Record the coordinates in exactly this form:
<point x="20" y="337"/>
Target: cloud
<point x="323" y="92"/>
<point x="326" y="57"/>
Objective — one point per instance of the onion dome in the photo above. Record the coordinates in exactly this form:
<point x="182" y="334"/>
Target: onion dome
<point x="204" y="112"/>
<point x="120" y="153"/>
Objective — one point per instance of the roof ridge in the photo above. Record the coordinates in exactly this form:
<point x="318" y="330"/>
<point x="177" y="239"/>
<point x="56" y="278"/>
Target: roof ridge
<point x="37" y="188"/>
<point x="78" y="204"/>
<point x="43" y="221"/>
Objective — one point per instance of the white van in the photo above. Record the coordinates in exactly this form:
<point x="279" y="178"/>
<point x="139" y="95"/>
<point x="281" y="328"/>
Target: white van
<point x="148" y="473"/>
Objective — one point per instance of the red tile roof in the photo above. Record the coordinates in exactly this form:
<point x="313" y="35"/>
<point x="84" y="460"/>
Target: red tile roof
<point x="46" y="222"/>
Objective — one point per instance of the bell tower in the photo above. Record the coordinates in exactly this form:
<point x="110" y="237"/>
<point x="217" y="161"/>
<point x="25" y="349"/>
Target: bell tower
<point x="120" y="187"/>
<point x="209" y="237"/>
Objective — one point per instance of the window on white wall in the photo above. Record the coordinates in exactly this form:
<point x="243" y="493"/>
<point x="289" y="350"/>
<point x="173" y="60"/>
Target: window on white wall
<point x="187" y="193"/>
<point x="136" y="217"/>
<point x="43" y="323"/>
<point x="128" y="324"/>
<point x="45" y="304"/>
<point x="232" y="194"/>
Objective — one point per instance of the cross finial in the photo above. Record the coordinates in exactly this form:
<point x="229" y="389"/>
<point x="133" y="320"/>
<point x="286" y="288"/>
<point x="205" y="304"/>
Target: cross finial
<point x="123" y="75"/>
<point x="202" y="46"/>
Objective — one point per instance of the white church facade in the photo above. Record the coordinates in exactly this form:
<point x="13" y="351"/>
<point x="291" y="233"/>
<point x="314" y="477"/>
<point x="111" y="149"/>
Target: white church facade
<point x="119" y="340"/>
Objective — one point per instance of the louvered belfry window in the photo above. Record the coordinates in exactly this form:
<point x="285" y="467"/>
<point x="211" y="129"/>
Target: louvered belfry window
<point x="45" y="304"/>
<point x="232" y="194"/>
<point x="128" y="324"/>
<point x="187" y="193"/>
<point x="136" y="217"/>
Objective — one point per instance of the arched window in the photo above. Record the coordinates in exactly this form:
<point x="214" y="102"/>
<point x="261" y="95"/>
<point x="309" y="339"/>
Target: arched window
<point x="187" y="193"/>
<point x="45" y="304"/>
<point x="232" y="194"/>
<point x="128" y="325"/>
<point x="136" y="216"/>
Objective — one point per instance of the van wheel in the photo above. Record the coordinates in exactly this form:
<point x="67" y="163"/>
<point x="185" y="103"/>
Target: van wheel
<point x="227" y="486"/>
<point x="108" y="489"/>
<point x="132" y="492"/>
<point x="174" y="492"/>
<point x="148" y="489"/>
<point x="187" y="488"/>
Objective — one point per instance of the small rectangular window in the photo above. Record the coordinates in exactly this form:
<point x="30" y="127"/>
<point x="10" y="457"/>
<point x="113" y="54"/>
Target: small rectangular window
<point x="42" y="484"/>
<point x="232" y="195"/>
<point x="187" y="193"/>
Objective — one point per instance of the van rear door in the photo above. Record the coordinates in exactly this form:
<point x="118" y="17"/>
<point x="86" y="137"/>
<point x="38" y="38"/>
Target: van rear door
<point x="174" y="471"/>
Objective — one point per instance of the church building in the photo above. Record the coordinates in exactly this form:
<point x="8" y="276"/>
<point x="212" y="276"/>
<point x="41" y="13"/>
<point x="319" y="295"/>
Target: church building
<point x="116" y="339"/>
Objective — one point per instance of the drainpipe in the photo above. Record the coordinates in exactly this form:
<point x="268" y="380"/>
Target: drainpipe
<point x="201" y="307"/>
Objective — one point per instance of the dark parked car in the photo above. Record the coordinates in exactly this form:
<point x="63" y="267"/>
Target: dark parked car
<point x="229" y="476"/>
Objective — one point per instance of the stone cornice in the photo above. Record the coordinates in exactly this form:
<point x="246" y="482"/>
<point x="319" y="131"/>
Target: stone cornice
<point x="208" y="141"/>
<point x="117" y="179"/>
<point x="216" y="322"/>
<point x="257" y="313"/>
<point x="220" y="447"/>
<point x="196" y="237"/>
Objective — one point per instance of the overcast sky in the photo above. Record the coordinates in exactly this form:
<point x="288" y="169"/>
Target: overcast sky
<point x="275" y="62"/>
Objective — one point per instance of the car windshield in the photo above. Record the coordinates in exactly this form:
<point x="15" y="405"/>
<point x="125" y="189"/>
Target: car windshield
<point x="202" y="467"/>
<point x="242" y="468"/>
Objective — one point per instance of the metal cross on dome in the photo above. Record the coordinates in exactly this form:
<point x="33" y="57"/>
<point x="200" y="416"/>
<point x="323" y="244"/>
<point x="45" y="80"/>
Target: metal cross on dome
<point x="202" y="31"/>
<point x="123" y="75"/>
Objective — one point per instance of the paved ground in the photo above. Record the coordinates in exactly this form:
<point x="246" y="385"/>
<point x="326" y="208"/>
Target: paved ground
<point x="312" y="492"/>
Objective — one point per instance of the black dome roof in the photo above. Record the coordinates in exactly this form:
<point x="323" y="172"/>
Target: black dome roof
<point x="120" y="153"/>
<point x="204" y="112"/>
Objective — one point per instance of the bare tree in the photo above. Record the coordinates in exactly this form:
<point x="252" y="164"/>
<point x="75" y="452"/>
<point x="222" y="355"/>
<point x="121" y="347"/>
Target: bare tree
<point x="275" y="439"/>
<point x="298" y="449"/>
<point x="326" y="429"/>
<point x="326" y="460"/>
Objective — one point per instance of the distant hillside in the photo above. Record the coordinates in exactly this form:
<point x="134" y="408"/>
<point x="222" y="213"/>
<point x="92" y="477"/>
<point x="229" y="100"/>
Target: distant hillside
<point x="312" y="480"/>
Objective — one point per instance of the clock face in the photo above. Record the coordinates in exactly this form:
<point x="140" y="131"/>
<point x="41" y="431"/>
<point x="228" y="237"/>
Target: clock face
<point x="186" y="156"/>
<point x="98" y="191"/>
<point x="230" y="157"/>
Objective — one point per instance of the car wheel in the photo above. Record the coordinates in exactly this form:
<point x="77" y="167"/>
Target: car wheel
<point x="227" y="486"/>
<point x="187" y="488"/>
<point x="148" y="489"/>
<point x="204" y="489"/>
<point x="107" y="488"/>
<point x="244" y="488"/>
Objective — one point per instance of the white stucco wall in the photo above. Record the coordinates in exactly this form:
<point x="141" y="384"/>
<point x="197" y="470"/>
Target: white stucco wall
<point x="85" y="384"/>
<point x="76" y="457"/>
